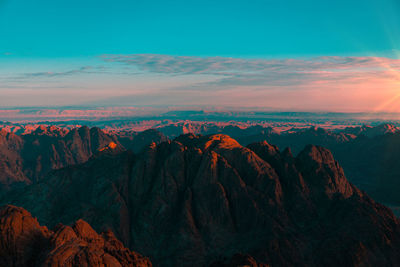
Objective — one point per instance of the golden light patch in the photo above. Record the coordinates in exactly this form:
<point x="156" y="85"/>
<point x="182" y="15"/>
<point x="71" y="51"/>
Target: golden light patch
<point x="111" y="145"/>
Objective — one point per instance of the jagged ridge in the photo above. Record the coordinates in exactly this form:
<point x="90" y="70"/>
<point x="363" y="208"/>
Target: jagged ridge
<point x="23" y="242"/>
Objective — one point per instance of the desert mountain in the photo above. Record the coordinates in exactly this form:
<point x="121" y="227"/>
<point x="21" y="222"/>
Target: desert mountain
<point x="23" y="242"/>
<point x="368" y="154"/>
<point x="29" y="157"/>
<point x="200" y="200"/>
<point x="371" y="131"/>
<point x="136" y="141"/>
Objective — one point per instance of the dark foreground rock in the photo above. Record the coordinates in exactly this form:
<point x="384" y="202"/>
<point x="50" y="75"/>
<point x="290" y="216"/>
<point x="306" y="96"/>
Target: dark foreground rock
<point x="23" y="242"/>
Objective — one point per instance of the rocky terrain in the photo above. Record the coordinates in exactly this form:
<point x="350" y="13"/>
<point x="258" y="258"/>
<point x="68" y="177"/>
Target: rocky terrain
<point x="26" y="158"/>
<point x="23" y="242"/>
<point x="368" y="154"/>
<point x="136" y="141"/>
<point x="212" y="199"/>
<point x="201" y="200"/>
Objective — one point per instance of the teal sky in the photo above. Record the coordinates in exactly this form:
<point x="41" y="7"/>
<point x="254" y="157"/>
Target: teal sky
<point x="142" y="52"/>
<point x="225" y="28"/>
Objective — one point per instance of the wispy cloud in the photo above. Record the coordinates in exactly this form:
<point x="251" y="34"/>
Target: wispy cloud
<point x="30" y="79"/>
<point x="50" y="74"/>
<point x="264" y="72"/>
<point x="67" y="73"/>
<point x="219" y="65"/>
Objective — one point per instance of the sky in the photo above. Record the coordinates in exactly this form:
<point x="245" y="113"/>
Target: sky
<point x="274" y="55"/>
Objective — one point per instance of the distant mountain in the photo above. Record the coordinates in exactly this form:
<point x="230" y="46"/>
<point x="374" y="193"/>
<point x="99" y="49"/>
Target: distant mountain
<point x="297" y="140"/>
<point x="201" y="200"/>
<point x="370" y="131"/>
<point x="29" y="157"/>
<point x="23" y="242"/>
<point x="136" y="141"/>
<point x="173" y="130"/>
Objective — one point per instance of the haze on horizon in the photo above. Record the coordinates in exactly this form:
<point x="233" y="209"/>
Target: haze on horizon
<point x="291" y="55"/>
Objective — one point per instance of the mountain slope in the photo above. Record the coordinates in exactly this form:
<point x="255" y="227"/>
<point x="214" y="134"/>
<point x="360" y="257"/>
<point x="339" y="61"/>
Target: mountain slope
<point x="137" y="141"/>
<point x="23" y="242"/>
<point x="27" y="158"/>
<point x="11" y="170"/>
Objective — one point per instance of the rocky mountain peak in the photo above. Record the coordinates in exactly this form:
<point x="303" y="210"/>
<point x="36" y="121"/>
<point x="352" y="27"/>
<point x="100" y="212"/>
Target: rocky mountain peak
<point x="23" y="242"/>
<point x="321" y="170"/>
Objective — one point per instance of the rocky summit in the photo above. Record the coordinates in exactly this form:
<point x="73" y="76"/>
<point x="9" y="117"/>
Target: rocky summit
<point x="23" y="242"/>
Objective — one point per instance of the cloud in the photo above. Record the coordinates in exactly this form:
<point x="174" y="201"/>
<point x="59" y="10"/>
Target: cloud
<point x="264" y="72"/>
<point x="73" y="72"/>
<point x="49" y="74"/>
<point x="26" y="80"/>
<point x="219" y="65"/>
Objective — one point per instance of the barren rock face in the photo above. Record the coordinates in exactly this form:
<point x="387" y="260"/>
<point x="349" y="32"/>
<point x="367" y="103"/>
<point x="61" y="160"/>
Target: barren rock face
<point x="23" y="242"/>
<point x="11" y="170"/>
<point x="137" y="141"/>
<point x="27" y="158"/>
<point x="323" y="171"/>
<point x="42" y="153"/>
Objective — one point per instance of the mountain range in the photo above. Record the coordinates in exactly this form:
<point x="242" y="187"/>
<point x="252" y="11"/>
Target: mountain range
<point x="199" y="200"/>
<point x="368" y="154"/>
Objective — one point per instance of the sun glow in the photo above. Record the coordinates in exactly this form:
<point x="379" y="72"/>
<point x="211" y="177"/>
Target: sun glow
<point x="392" y="104"/>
